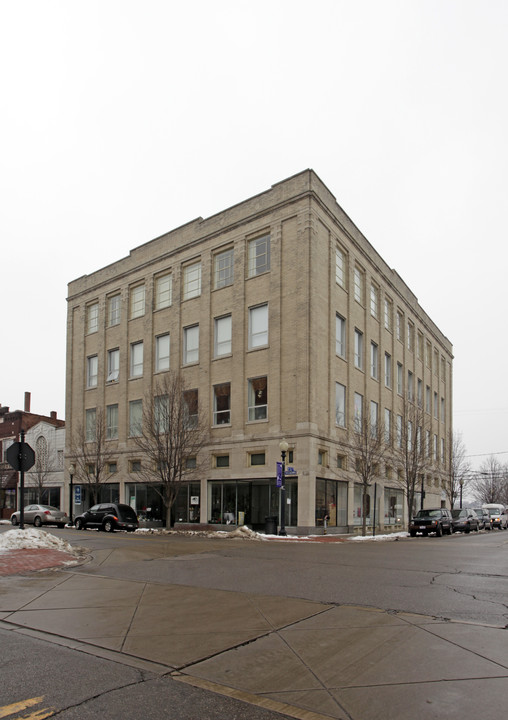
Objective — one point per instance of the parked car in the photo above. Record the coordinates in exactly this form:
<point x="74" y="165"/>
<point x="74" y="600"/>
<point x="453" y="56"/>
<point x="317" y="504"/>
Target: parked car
<point x="498" y="516"/>
<point x="41" y="515"/>
<point x="483" y="517"/>
<point x="432" y="520"/>
<point x="465" y="520"/>
<point x="108" y="517"/>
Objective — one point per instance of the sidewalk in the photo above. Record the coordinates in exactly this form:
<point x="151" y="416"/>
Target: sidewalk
<point x="304" y="659"/>
<point x="16" y="562"/>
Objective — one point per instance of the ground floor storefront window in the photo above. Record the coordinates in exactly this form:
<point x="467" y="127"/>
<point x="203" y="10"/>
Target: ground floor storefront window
<point x="244" y="502"/>
<point x="331" y="502"/>
<point x="364" y="505"/>
<point x="43" y="496"/>
<point x="145" y="499"/>
<point x="394" y="506"/>
<point x="187" y="503"/>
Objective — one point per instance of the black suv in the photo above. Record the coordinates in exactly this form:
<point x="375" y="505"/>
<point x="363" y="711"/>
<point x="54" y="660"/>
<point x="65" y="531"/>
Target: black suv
<point x="433" y="520"/>
<point x="108" y="517"/>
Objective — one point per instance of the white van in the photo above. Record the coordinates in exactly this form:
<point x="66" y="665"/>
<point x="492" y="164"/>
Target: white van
<point x="498" y="515"/>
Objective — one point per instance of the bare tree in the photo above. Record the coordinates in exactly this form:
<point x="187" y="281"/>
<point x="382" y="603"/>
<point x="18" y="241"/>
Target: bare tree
<point x="91" y="453"/>
<point x="171" y="435"/>
<point x="460" y="469"/>
<point x="368" y="449"/>
<point x="489" y="484"/>
<point x="410" y="450"/>
<point x="43" y="469"/>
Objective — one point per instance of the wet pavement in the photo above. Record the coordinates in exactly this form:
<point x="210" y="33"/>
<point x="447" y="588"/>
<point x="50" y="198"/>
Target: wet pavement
<point x="301" y="658"/>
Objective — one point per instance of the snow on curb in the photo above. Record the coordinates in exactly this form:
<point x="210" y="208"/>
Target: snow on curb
<point x="32" y="538"/>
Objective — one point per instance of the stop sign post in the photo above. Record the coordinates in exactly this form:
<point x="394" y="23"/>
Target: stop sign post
<point x="21" y="457"/>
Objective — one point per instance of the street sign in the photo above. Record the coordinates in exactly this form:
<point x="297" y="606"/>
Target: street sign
<point x="20" y="456"/>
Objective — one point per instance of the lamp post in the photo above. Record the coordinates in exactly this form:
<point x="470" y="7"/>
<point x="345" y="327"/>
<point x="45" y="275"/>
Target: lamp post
<point x="461" y="481"/>
<point x="72" y="470"/>
<point x="283" y="445"/>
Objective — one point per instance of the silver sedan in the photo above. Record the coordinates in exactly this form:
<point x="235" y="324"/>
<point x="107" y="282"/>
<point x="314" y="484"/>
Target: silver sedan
<point x="41" y="515"/>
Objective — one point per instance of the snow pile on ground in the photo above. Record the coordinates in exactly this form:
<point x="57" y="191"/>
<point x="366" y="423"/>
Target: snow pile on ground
<point x="31" y="538"/>
<point x="392" y="536"/>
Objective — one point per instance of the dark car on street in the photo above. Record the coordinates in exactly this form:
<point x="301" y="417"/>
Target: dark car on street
<point x="483" y="517"/>
<point x="465" y="520"/>
<point x="432" y="520"/>
<point x="108" y="517"/>
<point x="41" y="515"/>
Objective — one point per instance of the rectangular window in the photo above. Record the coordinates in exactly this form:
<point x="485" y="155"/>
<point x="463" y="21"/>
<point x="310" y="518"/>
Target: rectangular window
<point x="388" y="426"/>
<point x="419" y="346"/>
<point x="258" y="326"/>
<point x="358" y="285"/>
<point x="340" y="405"/>
<point x="136" y="359"/>
<point x="410" y="336"/>
<point x="388" y="370"/>
<point x="358" y="349"/>
<point x="400" y="326"/>
<point x="135" y="417"/>
<point x="190" y="398"/>
<point x="434" y="448"/>
<point x="340" y="336"/>
<point x="222" y="404"/>
<point x="419" y="392"/>
<point x="427" y="399"/>
<point x="442" y="409"/>
<point x="112" y="422"/>
<point x="259" y="255"/>
<point x="399" y="431"/>
<point x="340" y="267"/>
<point x="92" y="317"/>
<point x="221" y="461"/>
<point x="161" y="414"/>
<point x="258" y="398"/>
<point x="388" y="314"/>
<point x="428" y="355"/>
<point x="374" y="361"/>
<point x="410" y="386"/>
<point x="223" y="336"/>
<point x="113" y="365"/>
<point x="374" y="301"/>
<point x="223" y="269"/>
<point x="192" y="281"/>
<point x="374" y="418"/>
<point x="191" y="344"/>
<point x="114" y="309"/>
<point x="436" y="409"/>
<point x="442" y="451"/>
<point x="91" y="371"/>
<point x="90" y="427"/>
<point x="358" y="412"/>
<point x="163" y="291"/>
<point x="443" y="369"/>
<point x="257" y="458"/>
<point x="400" y="380"/>
<point x="436" y="362"/>
<point x="162" y="344"/>
<point x="137" y="301"/>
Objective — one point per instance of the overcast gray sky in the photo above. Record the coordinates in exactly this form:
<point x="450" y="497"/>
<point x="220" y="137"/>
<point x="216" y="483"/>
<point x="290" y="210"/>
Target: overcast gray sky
<point x="122" y="119"/>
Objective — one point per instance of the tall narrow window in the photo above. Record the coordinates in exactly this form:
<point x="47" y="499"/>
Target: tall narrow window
<point x="419" y="392"/>
<point x="358" y="285"/>
<point x="161" y="414"/>
<point x="222" y="404"/>
<point x="374" y="418"/>
<point x="192" y="281"/>
<point x="374" y="301"/>
<point x="258" y="399"/>
<point x="410" y="336"/>
<point x="442" y="409"/>
<point x="399" y="431"/>
<point x="340" y="267"/>
<point x="223" y="336"/>
<point x="162" y="352"/>
<point x="137" y="301"/>
<point x="258" y="326"/>
<point x="388" y="426"/>
<point x="112" y="422"/>
<point x="427" y="400"/>
<point x="374" y="361"/>
<point x="223" y="269"/>
<point x="340" y="336"/>
<point x="90" y="425"/>
<point x="191" y="344"/>
<point x="91" y="371"/>
<point x="400" y="380"/>
<point x="388" y="370"/>
<point x="92" y="317"/>
<point x="190" y="398"/>
<point x="113" y="365"/>
<point x="114" y="308"/>
<point x="136" y="359"/>
<point x="388" y="313"/>
<point x="419" y="345"/>
<point x="400" y="326"/>
<point x="358" y="349"/>
<point x="163" y="291"/>
<point x="340" y="405"/>
<point x="259" y="255"/>
<point x="135" y="417"/>
<point x="410" y="386"/>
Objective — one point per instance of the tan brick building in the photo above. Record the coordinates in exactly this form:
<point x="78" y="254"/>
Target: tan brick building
<point x="288" y="324"/>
